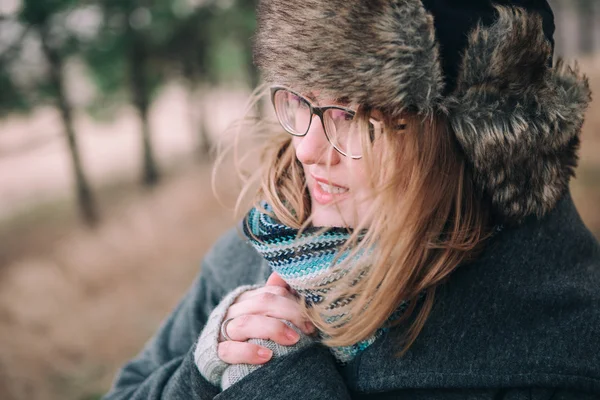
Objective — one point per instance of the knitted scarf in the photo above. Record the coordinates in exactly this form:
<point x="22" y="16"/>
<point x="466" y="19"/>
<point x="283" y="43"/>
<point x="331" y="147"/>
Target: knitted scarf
<point x="305" y="262"/>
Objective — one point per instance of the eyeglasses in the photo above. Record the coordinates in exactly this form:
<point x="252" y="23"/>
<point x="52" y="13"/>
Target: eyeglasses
<point x="295" y="113"/>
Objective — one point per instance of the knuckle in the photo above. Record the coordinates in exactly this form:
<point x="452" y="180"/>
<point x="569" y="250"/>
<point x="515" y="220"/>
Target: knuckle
<point x="224" y="350"/>
<point x="268" y="297"/>
<point x="283" y="334"/>
<point x="243" y="321"/>
<point x="290" y="324"/>
<point x="280" y="327"/>
<point x="232" y="309"/>
<point x="273" y="328"/>
<point x="279" y="291"/>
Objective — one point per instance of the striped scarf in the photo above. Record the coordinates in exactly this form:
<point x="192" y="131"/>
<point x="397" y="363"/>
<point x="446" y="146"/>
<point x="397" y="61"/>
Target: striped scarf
<point x="305" y="263"/>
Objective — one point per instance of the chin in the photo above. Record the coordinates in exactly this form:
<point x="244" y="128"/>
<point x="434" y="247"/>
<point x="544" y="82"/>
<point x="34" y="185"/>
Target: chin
<point x="329" y="217"/>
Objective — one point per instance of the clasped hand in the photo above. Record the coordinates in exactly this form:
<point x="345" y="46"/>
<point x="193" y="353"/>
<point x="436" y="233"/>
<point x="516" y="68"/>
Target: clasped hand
<point x="257" y="314"/>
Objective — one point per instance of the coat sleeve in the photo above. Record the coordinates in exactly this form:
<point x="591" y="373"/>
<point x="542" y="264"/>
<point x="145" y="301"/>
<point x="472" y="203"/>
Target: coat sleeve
<point x="479" y="394"/>
<point x="165" y="368"/>
<point x="573" y="395"/>
<point x="307" y="374"/>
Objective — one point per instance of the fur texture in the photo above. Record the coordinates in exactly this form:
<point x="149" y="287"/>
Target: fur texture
<point x="518" y="120"/>
<point x="377" y="53"/>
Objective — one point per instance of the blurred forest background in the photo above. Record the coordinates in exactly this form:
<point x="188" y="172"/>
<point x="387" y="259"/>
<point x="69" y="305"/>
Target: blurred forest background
<point x="109" y="112"/>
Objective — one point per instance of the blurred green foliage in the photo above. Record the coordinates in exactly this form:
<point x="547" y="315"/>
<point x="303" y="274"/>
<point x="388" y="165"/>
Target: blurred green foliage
<point x="130" y="49"/>
<point x="204" y="42"/>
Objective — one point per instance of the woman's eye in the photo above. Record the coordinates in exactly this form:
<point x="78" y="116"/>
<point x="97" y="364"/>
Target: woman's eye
<point x="341" y="115"/>
<point x="302" y="103"/>
<point x="298" y="101"/>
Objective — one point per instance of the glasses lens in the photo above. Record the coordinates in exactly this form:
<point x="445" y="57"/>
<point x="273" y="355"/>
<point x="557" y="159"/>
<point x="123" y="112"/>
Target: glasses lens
<point x="342" y="132"/>
<point x="292" y="111"/>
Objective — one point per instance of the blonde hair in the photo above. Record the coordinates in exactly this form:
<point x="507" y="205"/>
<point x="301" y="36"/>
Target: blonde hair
<point x="425" y="219"/>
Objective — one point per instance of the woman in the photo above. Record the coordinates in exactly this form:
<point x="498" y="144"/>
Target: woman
<point x="416" y="232"/>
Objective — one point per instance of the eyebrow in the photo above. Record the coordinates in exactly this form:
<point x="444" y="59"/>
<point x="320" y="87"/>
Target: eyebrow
<point x="343" y="101"/>
<point x="310" y="96"/>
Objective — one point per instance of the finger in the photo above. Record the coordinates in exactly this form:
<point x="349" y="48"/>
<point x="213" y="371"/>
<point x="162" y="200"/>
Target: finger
<point x="243" y="353"/>
<point x="276" y="280"/>
<point x="278" y="290"/>
<point x="249" y="326"/>
<point x="270" y="305"/>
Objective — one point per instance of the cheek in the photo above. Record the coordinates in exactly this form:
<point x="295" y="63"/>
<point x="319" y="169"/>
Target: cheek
<point x="360" y="179"/>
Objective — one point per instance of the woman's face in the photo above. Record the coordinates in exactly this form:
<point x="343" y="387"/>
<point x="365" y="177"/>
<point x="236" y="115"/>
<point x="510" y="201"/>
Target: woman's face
<point x="338" y="185"/>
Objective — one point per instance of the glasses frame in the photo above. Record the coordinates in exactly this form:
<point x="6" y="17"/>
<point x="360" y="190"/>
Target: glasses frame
<point x="316" y="110"/>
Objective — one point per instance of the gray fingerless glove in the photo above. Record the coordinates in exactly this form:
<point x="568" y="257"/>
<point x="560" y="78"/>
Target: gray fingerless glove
<point x="209" y="364"/>
<point x="236" y="372"/>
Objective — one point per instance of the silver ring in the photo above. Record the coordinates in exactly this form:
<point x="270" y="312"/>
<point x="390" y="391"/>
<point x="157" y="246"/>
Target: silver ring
<point x="224" y="329"/>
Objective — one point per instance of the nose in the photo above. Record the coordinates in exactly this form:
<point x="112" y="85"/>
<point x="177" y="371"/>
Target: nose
<point x="314" y="148"/>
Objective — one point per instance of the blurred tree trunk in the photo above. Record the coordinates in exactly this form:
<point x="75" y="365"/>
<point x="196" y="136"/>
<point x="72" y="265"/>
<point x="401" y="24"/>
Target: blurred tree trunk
<point x="252" y="71"/>
<point x="141" y="101"/>
<point x="587" y="21"/>
<point x="205" y="144"/>
<point x="87" y="204"/>
<point x="197" y="111"/>
<point x="254" y="75"/>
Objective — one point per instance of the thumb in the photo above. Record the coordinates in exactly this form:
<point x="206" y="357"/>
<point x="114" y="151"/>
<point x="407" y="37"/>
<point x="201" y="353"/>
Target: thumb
<point x="276" y="280"/>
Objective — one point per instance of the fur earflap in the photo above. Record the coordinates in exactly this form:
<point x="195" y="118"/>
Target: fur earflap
<point x="377" y="53"/>
<point x="518" y="119"/>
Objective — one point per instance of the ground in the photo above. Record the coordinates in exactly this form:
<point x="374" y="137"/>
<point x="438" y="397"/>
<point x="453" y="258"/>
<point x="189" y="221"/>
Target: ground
<point x="84" y="301"/>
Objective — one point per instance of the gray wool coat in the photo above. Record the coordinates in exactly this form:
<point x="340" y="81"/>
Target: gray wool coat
<point x="523" y="322"/>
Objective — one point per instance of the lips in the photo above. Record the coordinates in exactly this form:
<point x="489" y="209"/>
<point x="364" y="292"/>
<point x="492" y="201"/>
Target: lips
<point x="325" y="192"/>
<point x="332" y="189"/>
<point x="327" y="182"/>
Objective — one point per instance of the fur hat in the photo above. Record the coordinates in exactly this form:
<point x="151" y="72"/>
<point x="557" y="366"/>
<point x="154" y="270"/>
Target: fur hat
<point x="486" y="65"/>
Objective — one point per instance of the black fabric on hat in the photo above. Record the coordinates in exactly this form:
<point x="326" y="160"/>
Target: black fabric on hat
<point x="454" y="19"/>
